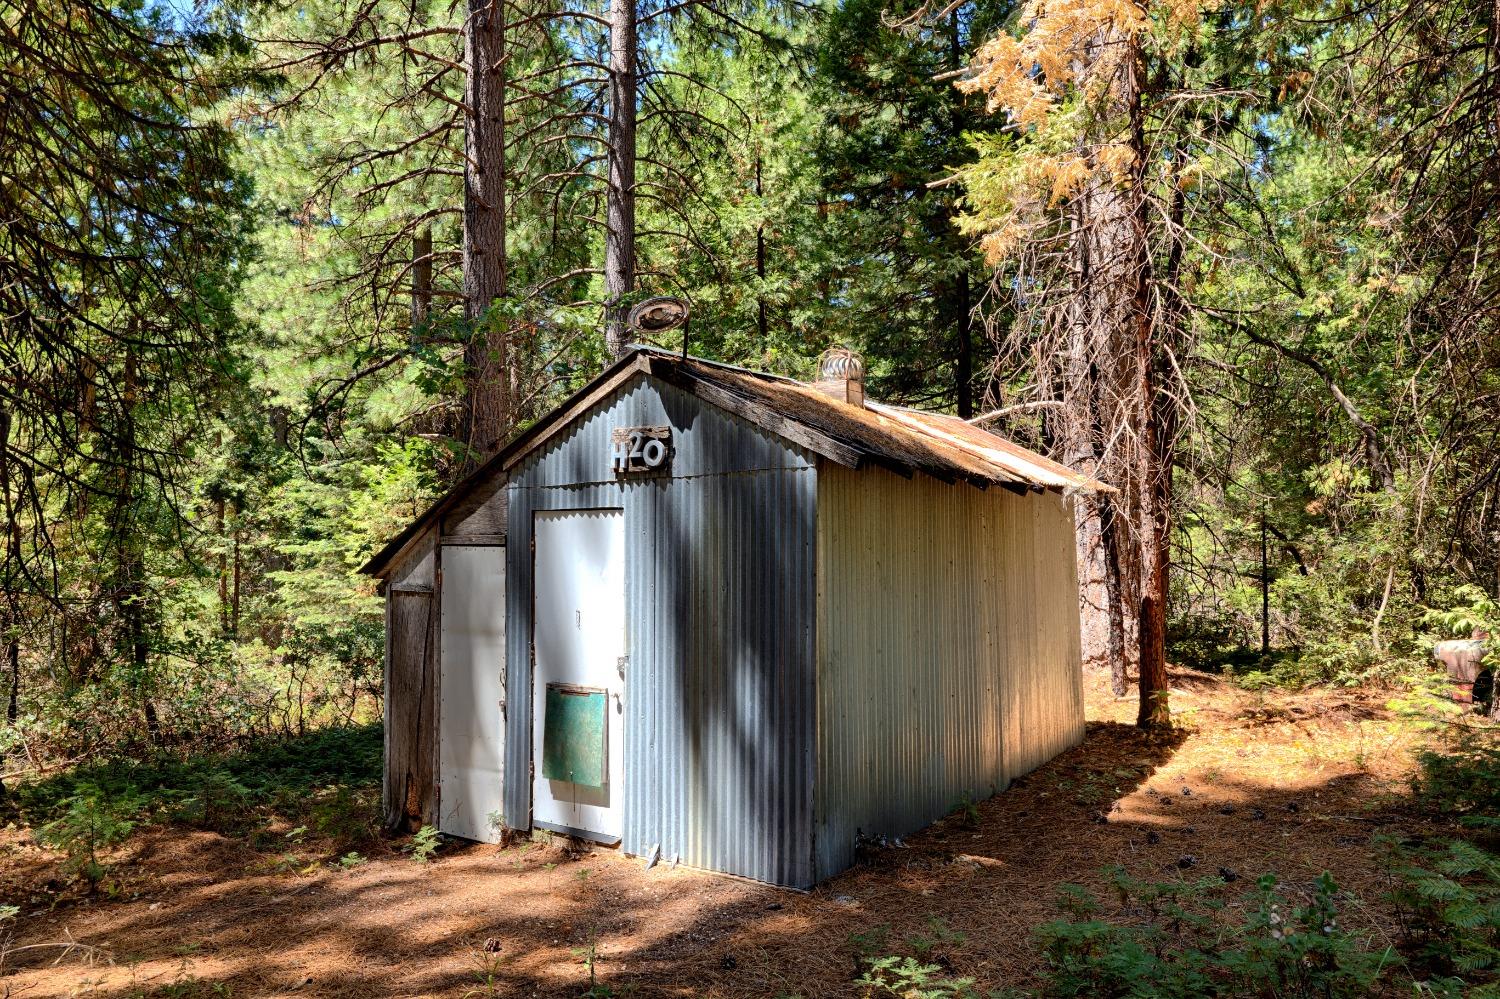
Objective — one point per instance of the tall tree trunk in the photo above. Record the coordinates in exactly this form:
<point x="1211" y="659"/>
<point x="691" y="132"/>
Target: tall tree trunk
<point x="10" y="579"/>
<point x="1109" y="535"/>
<point x="421" y="279"/>
<point x="963" y="308"/>
<point x="963" y="360"/>
<point x="761" y="325"/>
<point x="1153" y="419"/>
<point x="219" y="532"/>
<point x="619" y="231"/>
<point x="1080" y="432"/>
<point x="130" y="566"/>
<point x="234" y="598"/>
<point x="487" y="414"/>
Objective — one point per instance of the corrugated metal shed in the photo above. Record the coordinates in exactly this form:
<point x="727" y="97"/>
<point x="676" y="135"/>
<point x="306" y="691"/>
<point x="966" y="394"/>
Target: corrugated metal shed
<point x="948" y="659"/>
<point x="719" y="598"/>
<point x="829" y="633"/>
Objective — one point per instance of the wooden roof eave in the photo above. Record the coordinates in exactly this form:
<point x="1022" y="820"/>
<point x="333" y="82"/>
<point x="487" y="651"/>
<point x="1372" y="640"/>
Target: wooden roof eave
<point x="507" y="458"/>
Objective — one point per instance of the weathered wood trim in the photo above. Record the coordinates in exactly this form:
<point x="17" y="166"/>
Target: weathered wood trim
<point x="561" y="420"/>
<point x="474" y="540"/>
<point x="408" y="785"/>
<point x="772" y="422"/>
<point x="409" y="588"/>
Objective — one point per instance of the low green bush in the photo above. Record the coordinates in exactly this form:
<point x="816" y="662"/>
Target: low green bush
<point x="87" y="823"/>
<point x="1447" y="899"/>
<point x="1178" y="939"/>
<point x="1461" y="775"/>
<point x="210" y="787"/>
<point x="328" y="781"/>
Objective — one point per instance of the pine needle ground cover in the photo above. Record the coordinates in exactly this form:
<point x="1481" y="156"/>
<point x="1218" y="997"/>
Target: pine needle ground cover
<point x="1165" y="839"/>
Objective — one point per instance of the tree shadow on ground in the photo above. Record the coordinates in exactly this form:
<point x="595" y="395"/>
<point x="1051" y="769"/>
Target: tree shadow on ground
<point x="530" y="919"/>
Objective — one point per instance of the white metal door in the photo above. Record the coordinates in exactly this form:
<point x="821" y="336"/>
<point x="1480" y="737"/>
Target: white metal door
<point x="471" y="691"/>
<point x="579" y="641"/>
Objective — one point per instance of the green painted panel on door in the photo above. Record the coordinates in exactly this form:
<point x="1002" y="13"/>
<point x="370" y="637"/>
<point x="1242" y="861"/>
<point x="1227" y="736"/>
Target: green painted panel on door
<point x="573" y="735"/>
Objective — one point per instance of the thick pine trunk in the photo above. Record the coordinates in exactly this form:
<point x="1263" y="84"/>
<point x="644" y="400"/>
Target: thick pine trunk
<point x="963" y="307"/>
<point x="963" y="360"/>
<point x="619" y="231"/>
<point x="219" y="533"/>
<point x="487" y="403"/>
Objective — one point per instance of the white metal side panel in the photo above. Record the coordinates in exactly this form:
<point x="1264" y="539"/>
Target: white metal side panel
<point x="579" y="635"/>
<point x="471" y="689"/>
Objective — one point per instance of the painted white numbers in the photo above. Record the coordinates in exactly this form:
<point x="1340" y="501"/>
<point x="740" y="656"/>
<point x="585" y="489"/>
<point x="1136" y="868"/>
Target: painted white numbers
<point x="638" y="450"/>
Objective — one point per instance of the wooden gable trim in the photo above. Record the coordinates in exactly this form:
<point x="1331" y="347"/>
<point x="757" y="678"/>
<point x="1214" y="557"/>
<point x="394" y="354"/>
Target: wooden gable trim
<point x="753" y="412"/>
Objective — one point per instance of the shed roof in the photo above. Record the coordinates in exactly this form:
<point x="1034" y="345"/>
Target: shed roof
<point x="892" y="437"/>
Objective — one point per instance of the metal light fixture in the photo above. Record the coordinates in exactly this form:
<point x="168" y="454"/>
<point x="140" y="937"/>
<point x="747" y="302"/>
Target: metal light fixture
<point x="658" y="315"/>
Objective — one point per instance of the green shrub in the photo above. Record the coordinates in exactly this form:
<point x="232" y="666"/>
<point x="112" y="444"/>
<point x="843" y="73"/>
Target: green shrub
<point x="1179" y="940"/>
<point x="1447" y="899"/>
<point x="328" y="780"/>
<point x="424" y="844"/>
<point x="908" y="978"/>
<point x="1462" y="776"/>
<point x="90" y="821"/>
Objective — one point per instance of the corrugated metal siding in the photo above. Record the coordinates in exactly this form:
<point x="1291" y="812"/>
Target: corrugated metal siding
<point x="947" y="649"/>
<point x="719" y="610"/>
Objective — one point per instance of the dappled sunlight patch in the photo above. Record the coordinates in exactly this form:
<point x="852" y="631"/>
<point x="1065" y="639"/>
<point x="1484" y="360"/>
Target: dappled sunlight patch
<point x="1228" y="797"/>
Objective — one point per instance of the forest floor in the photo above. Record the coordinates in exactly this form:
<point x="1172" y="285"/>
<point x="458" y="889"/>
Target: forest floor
<point x="1248" y="783"/>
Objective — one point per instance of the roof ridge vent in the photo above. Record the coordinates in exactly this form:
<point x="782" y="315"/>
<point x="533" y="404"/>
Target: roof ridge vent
<point x="841" y="376"/>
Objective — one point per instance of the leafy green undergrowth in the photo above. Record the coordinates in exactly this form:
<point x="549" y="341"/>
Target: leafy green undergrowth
<point x="326" y="782"/>
<point x="1180" y="940"/>
<point x="1460" y="777"/>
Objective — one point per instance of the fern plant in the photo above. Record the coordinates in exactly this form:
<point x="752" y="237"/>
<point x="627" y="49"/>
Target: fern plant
<point x="90" y="823"/>
<point x="424" y="844"/>
<point x="1447" y="898"/>
<point x="1171" y="941"/>
<point x="908" y="978"/>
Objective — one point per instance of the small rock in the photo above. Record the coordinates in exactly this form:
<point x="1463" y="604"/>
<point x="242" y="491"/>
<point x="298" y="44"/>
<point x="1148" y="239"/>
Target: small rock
<point x="773" y="906"/>
<point x="1101" y="819"/>
<point x="1228" y="874"/>
<point x="1257" y="814"/>
<point x="1292" y="806"/>
<point x="728" y="963"/>
<point x="1152" y="836"/>
<point x="1186" y="860"/>
<point x="1227" y="810"/>
<point x="1187" y="792"/>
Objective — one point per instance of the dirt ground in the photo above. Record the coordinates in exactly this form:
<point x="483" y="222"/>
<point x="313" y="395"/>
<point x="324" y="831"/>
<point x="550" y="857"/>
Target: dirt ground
<point x="1296" y="784"/>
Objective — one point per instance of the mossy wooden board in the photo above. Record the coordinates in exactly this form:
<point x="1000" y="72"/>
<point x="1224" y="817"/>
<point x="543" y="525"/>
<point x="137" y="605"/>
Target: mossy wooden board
<point x="573" y="735"/>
